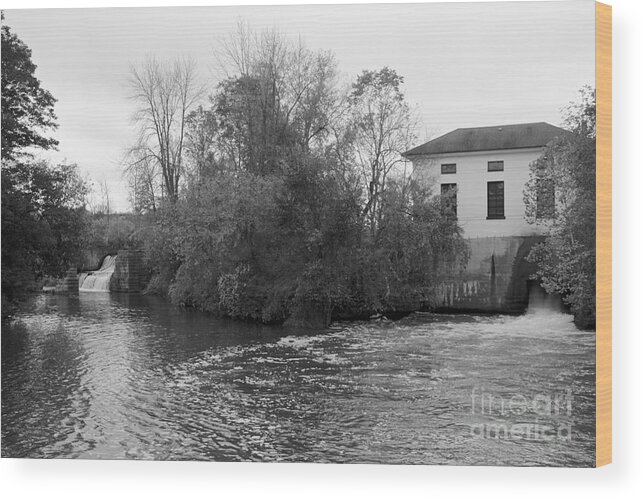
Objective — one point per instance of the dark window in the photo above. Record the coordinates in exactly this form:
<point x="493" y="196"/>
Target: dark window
<point x="495" y="166"/>
<point x="448" y="168"/>
<point x="545" y="199"/>
<point x="495" y="200"/>
<point x="449" y="199"/>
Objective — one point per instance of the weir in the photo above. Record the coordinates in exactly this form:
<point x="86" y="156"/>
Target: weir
<point x="98" y="280"/>
<point x="123" y="272"/>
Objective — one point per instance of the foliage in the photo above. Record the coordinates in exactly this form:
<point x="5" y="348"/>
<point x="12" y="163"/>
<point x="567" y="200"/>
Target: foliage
<point x="567" y="259"/>
<point x="290" y="208"/>
<point x="383" y="130"/>
<point x="279" y="198"/>
<point x="157" y="239"/>
<point x="109" y="233"/>
<point x="225" y="224"/>
<point x="43" y="214"/>
<point x="415" y="248"/>
<point x="265" y="247"/>
<point x="27" y="108"/>
<point x="43" y="219"/>
<point x="201" y="133"/>
<point x="278" y="100"/>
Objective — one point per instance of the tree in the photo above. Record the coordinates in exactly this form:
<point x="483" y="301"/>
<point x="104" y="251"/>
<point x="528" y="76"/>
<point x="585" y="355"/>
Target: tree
<point x="43" y="214"/>
<point x="103" y="191"/>
<point x="383" y="129"/>
<point x="43" y="220"/>
<point x="165" y="94"/>
<point x="144" y="180"/>
<point x="271" y="224"/>
<point x="200" y="142"/>
<point x="27" y="108"/>
<point x="561" y="193"/>
<point x="244" y="125"/>
<point x="278" y="99"/>
<point x="312" y="99"/>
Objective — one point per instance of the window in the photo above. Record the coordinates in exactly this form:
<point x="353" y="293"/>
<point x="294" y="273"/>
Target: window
<point x="449" y="200"/>
<point x="545" y="199"/>
<point x="448" y="168"/>
<point x="495" y="166"/>
<point x="495" y="200"/>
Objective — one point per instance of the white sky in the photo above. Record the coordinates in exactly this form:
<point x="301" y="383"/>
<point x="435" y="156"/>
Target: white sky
<point x="464" y="64"/>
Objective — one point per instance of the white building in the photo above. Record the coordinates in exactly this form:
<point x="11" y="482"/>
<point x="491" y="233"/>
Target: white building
<point x="487" y="168"/>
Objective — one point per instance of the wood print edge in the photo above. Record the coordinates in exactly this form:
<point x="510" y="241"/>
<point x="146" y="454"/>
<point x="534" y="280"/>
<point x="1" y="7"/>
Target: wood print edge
<point x="603" y="234"/>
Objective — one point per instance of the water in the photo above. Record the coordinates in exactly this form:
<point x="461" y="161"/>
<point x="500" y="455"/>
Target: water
<point x="98" y="280"/>
<point x="129" y="377"/>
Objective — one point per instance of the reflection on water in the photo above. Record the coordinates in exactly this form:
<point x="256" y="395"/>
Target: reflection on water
<point x="127" y="376"/>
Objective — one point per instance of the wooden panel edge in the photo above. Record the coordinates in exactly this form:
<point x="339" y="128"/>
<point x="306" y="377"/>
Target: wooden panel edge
<point x="603" y="234"/>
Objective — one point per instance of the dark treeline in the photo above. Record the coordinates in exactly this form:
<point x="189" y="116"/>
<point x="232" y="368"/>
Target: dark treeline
<point x="285" y="197"/>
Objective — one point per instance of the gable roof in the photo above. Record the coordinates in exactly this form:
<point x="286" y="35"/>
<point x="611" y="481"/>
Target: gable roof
<point x="490" y="138"/>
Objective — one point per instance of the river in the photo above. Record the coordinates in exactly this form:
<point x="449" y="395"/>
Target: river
<point x="115" y="376"/>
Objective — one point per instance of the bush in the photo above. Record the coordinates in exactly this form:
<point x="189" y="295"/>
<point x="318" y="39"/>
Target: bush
<point x="566" y="260"/>
<point x="43" y="221"/>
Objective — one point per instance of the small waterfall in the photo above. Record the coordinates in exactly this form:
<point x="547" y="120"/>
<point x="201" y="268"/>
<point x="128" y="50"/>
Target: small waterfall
<point x="542" y="302"/>
<point x="98" y="280"/>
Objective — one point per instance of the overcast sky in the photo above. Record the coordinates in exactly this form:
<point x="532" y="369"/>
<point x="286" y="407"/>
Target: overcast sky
<point x="463" y="64"/>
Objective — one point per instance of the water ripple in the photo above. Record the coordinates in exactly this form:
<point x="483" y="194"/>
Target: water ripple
<point x="128" y="377"/>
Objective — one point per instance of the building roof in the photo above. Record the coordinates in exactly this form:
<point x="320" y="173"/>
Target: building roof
<point x="490" y="138"/>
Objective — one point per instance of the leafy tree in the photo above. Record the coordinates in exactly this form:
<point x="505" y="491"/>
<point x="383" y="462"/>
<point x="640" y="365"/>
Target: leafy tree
<point x="287" y="165"/>
<point x="43" y="215"/>
<point x="201" y="136"/>
<point x="246" y="125"/>
<point x="278" y="101"/>
<point x="563" y="179"/>
<point x="292" y="246"/>
<point x="105" y="234"/>
<point x="27" y="108"/>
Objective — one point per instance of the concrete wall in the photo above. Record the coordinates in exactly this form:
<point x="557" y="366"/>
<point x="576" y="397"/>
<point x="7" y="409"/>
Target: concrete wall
<point x="471" y="179"/>
<point x="496" y="278"/>
<point x="129" y="272"/>
<point x="70" y="282"/>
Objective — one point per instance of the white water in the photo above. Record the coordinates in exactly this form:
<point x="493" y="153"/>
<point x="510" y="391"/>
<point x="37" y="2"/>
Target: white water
<point x="541" y="302"/>
<point x="98" y="280"/>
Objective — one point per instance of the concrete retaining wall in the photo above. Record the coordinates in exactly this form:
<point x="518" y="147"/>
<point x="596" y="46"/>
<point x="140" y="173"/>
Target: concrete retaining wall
<point x="70" y="282"/>
<point x="129" y="272"/>
<point x="496" y="278"/>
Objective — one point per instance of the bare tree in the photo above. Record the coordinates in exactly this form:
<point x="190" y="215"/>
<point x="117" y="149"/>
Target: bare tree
<point x="278" y="96"/>
<point x="165" y="94"/>
<point x="383" y="128"/>
<point x="144" y="179"/>
<point x="105" y="197"/>
<point x="312" y="98"/>
<point x="99" y="202"/>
